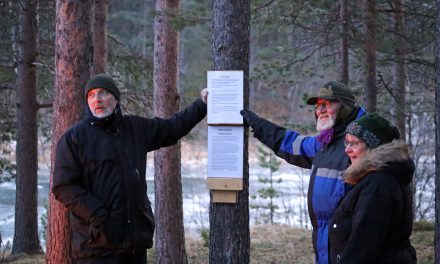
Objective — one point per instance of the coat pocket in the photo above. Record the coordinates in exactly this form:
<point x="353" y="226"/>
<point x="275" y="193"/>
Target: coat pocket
<point x="145" y="228"/>
<point x="80" y="236"/>
<point x="112" y="233"/>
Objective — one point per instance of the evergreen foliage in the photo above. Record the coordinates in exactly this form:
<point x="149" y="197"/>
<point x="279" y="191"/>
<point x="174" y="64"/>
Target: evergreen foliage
<point x="8" y="34"/>
<point x="266" y="159"/>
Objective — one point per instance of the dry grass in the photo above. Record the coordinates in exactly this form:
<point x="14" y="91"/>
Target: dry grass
<point x="281" y="244"/>
<point x="275" y="244"/>
<point x="25" y="259"/>
<point x="269" y="244"/>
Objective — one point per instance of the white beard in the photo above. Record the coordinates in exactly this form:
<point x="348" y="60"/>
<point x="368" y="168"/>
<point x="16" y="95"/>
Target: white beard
<point x="102" y="115"/>
<point x="323" y="125"/>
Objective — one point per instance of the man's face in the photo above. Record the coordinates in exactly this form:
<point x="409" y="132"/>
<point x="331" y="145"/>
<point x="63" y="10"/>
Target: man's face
<point x="326" y="111"/>
<point x="101" y="102"/>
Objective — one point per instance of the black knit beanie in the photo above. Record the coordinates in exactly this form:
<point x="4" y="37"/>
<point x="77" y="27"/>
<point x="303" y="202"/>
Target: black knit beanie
<point x="105" y="82"/>
<point x="373" y="129"/>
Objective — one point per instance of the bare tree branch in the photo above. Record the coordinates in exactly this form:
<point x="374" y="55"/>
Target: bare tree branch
<point x="40" y="64"/>
<point x="45" y="105"/>
<point x="9" y="65"/>
<point x="264" y="5"/>
<point x="7" y="86"/>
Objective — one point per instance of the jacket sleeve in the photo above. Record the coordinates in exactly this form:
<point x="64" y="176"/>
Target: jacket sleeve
<point x="288" y="144"/>
<point x="163" y="132"/>
<point x="67" y="184"/>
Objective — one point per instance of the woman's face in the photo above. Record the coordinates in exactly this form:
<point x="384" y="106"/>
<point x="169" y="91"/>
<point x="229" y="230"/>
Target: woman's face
<point x="354" y="147"/>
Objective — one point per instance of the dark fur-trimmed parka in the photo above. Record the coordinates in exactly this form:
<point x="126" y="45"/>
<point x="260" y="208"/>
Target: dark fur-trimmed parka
<point x="373" y="223"/>
<point x="99" y="175"/>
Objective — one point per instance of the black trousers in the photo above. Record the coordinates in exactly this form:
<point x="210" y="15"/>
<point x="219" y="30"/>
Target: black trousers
<point x="116" y="259"/>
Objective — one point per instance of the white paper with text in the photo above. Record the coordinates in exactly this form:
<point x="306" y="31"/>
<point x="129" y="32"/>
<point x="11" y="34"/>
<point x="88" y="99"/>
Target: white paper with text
<point x="225" y="97"/>
<point x="225" y="151"/>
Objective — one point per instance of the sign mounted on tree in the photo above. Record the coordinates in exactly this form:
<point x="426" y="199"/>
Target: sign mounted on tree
<point x="225" y="135"/>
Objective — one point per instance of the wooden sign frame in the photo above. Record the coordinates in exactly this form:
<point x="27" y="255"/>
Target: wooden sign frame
<point x="225" y="189"/>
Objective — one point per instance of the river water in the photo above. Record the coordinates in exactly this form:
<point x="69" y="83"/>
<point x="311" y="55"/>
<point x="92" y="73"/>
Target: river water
<point x="291" y="201"/>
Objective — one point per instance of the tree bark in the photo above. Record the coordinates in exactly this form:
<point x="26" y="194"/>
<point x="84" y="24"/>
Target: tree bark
<point x="26" y="239"/>
<point x="399" y="73"/>
<point x="369" y="16"/>
<point x="170" y="234"/>
<point x="437" y="137"/>
<point x="72" y="70"/>
<point x="229" y="237"/>
<point x="100" y="8"/>
<point x="343" y="75"/>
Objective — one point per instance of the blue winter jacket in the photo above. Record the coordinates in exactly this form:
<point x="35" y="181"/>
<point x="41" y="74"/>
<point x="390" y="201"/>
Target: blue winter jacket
<point x="327" y="163"/>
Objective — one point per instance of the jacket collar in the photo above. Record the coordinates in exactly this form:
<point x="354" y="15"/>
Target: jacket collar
<point x="394" y="158"/>
<point x="109" y="123"/>
<point x="355" y="114"/>
<point x="326" y="137"/>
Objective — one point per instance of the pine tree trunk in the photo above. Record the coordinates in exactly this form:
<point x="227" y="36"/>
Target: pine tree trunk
<point x="100" y="8"/>
<point x="229" y="237"/>
<point x="26" y="239"/>
<point x="437" y="138"/>
<point x="399" y="74"/>
<point x="170" y="234"/>
<point x="343" y="42"/>
<point x="72" y="70"/>
<point x="369" y="16"/>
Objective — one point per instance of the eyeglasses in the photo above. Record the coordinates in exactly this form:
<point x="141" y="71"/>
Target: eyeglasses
<point x="101" y="94"/>
<point x="352" y="144"/>
<point x="324" y="105"/>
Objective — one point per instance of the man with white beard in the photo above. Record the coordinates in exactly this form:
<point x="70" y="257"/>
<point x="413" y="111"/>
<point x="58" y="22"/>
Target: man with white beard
<point x="323" y="153"/>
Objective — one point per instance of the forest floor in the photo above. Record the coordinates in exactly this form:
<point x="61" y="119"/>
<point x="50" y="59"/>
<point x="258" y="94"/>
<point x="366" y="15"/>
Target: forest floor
<point x="274" y="244"/>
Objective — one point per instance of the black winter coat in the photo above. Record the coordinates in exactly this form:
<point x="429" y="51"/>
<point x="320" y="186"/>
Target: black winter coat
<point x="373" y="222"/>
<point x="99" y="175"/>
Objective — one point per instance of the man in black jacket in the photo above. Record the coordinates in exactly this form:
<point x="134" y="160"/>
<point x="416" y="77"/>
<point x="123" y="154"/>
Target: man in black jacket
<point x="99" y="174"/>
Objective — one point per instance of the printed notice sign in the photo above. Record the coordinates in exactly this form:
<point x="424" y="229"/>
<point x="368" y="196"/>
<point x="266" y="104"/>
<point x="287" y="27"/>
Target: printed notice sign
<point x="225" y="98"/>
<point x="225" y="151"/>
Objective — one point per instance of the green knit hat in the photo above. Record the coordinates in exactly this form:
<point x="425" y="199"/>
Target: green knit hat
<point x="334" y="90"/>
<point x="373" y="129"/>
<point x="105" y="82"/>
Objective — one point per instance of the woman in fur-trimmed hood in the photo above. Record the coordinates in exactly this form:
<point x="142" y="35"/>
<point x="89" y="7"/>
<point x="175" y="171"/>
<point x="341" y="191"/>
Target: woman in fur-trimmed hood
<point x="373" y="223"/>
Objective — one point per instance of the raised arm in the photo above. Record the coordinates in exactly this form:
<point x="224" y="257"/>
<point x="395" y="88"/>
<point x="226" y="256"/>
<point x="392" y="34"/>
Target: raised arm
<point x="287" y="144"/>
<point x="163" y="132"/>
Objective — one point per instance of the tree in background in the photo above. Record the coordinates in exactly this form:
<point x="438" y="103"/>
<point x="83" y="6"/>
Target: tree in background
<point x="369" y="47"/>
<point x="266" y="159"/>
<point x="437" y="136"/>
<point x="26" y="215"/>
<point x="420" y="100"/>
<point x="130" y="52"/>
<point x="99" y="20"/>
<point x="170" y="233"/>
<point x="72" y="61"/>
<point x="399" y="72"/>
<point x="229" y="237"/>
<point x="8" y="62"/>
<point x="343" y="65"/>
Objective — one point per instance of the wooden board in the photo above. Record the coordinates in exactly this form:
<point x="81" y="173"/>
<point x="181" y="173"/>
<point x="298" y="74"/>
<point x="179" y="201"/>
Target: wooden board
<point x="221" y="196"/>
<point x="227" y="184"/>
